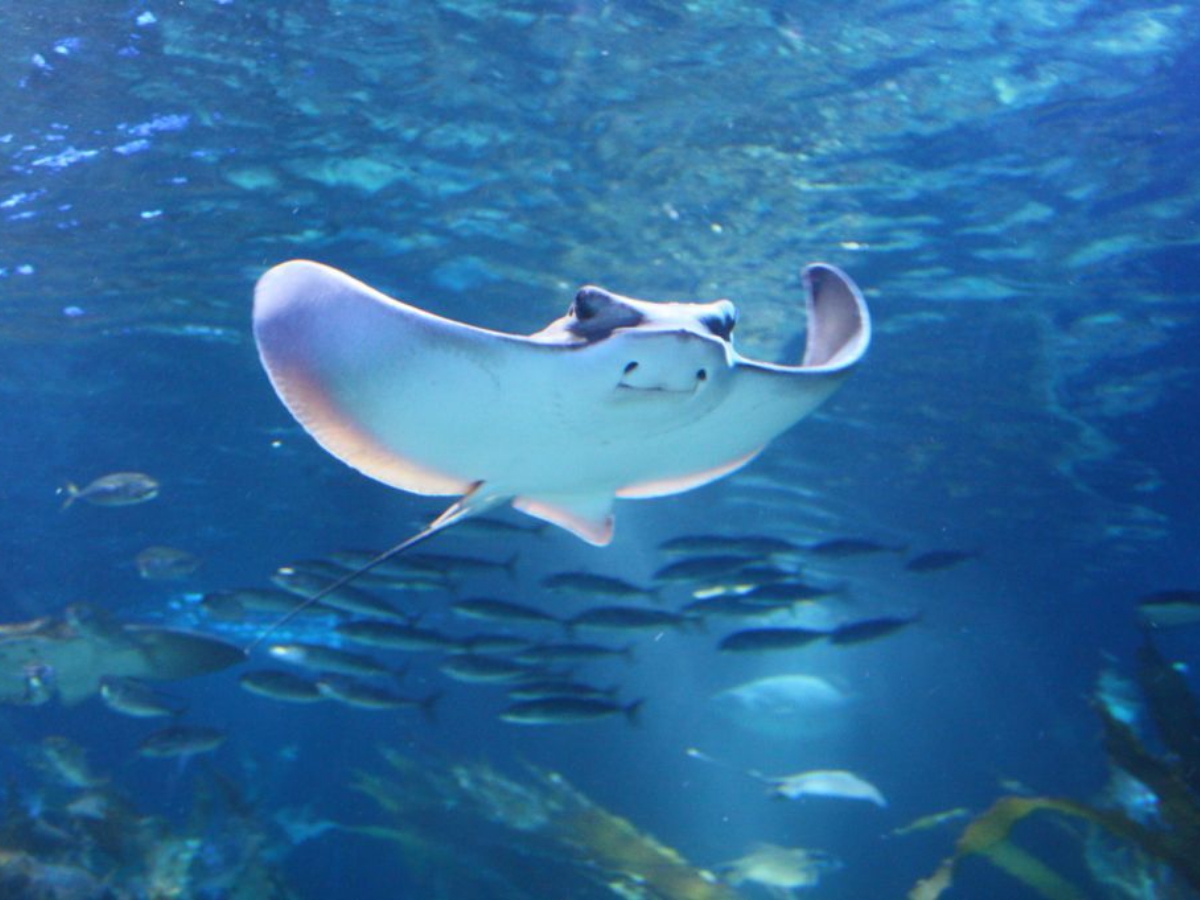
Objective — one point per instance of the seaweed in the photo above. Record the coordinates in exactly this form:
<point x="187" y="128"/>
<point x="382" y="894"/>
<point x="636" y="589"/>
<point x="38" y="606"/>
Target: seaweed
<point x="1172" y="777"/>
<point x="466" y="829"/>
<point x="1174" y="709"/>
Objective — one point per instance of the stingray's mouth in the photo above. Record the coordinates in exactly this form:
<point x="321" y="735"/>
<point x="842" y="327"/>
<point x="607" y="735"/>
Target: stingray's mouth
<point x="657" y="389"/>
<point x="624" y="384"/>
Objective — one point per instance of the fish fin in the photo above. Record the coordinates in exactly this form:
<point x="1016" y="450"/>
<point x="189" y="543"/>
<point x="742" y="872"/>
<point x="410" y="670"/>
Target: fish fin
<point x="510" y="566"/>
<point x="589" y="517"/>
<point x="72" y="491"/>
<point x="633" y="710"/>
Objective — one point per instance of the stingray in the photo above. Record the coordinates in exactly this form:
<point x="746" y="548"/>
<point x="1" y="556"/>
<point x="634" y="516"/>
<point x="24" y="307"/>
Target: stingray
<point x="69" y="657"/>
<point x="618" y="398"/>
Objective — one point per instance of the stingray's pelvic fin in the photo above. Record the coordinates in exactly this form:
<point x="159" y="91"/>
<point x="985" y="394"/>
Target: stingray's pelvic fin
<point x="587" y="516"/>
<point x="473" y="502"/>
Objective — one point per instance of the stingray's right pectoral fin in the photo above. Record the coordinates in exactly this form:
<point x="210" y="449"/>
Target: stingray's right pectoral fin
<point x="587" y="516"/>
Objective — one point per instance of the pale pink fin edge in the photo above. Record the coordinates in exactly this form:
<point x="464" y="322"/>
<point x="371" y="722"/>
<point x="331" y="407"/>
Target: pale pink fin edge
<point x="592" y="525"/>
<point x="663" y="487"/>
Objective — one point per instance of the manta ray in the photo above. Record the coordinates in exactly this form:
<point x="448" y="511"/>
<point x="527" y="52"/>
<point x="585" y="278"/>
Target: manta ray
<point x="617" y="398"/>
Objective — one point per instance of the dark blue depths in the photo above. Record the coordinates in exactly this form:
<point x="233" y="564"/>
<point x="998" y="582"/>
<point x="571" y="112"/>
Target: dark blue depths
<point x="1015" y="189"/>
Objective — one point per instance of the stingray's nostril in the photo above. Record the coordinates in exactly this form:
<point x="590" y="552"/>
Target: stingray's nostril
<point x="701" y="375"/>
<point x="630" y="367"/>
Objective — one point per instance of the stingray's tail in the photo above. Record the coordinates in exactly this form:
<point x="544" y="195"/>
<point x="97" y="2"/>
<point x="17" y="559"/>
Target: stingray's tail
<point x="469" y="504"/>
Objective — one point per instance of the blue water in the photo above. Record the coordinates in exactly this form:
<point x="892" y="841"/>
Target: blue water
<point x="1013" y="186"/>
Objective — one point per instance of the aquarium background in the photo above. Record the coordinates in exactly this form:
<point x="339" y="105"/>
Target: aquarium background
<point x="1014" y="186"/>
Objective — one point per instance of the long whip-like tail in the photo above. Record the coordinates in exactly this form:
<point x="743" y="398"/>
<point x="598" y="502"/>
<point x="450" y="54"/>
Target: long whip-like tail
<point x="469" y="504"/>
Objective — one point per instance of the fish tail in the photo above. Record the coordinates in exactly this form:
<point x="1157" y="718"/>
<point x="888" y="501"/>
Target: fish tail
<point x="633" y="711"/>
<point x="510" y="566"/>
<point x="428" y="707"/>
<point x="71" y="490"/>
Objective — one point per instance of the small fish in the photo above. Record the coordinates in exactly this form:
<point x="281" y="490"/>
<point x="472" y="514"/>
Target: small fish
<point x="840" y="548"/>
<point x="394" y="636"/>
<point x="587" y="584"/>
<point x="330" y="570"/>
<point x="626" y="618"/>
<point x="699" y="568"/>
<point x="417" y="582"/>
<point x="567" y="710"/>
<point x="398" y="566"/>
<point x="322" y="569"/>
<point x="117" y="489"/>
<point x="826" y="783"/>
<point x="732" y="606"/>
<point x="1170" y="609"/>
<point x="320" y="658"/>
<point x="755" y="640"/>
<point x="540" y="690"/>
<point x="166" y="563"/>
<point x="233" y="605"/>
<point x="346" y="598"/>
<point x="868" y="629"/>
<point x="466" y="565"/>
<point x="278" y="685"/>
<point x="492" y="643"/>
<point x="937" y="560"/>
<point x="134" y="698"/>
<point x="764" y="573"/>
<point x="181" y="740"/>
<point x="749" y="545"/>
<point x="572" y="652"/>
<point x="742" y="582"/>
<point x="474" y="669"/>
<point x="786" y="593"/>
<point x="502" y="611"/>
<point x="361" y="695"/>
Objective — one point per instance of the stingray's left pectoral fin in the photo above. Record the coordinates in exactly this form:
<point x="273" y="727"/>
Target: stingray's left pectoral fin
<point x="587" y="516"/>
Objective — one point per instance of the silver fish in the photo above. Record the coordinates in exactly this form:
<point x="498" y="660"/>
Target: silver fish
<point x="567" y="710"/>
<point x="117" y="489"/>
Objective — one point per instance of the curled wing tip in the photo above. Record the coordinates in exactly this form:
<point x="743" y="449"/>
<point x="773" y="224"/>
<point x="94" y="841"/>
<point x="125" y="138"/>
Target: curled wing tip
<point x="294" y="281"/>
<point x="839" y="323"/>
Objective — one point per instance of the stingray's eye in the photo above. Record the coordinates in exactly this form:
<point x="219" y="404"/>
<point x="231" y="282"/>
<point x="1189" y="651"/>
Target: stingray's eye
<point x="629" y="367"/>
<point x="701" y="375"/>
<point x="588" y="302"/>
<point x="722" y="325"/>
